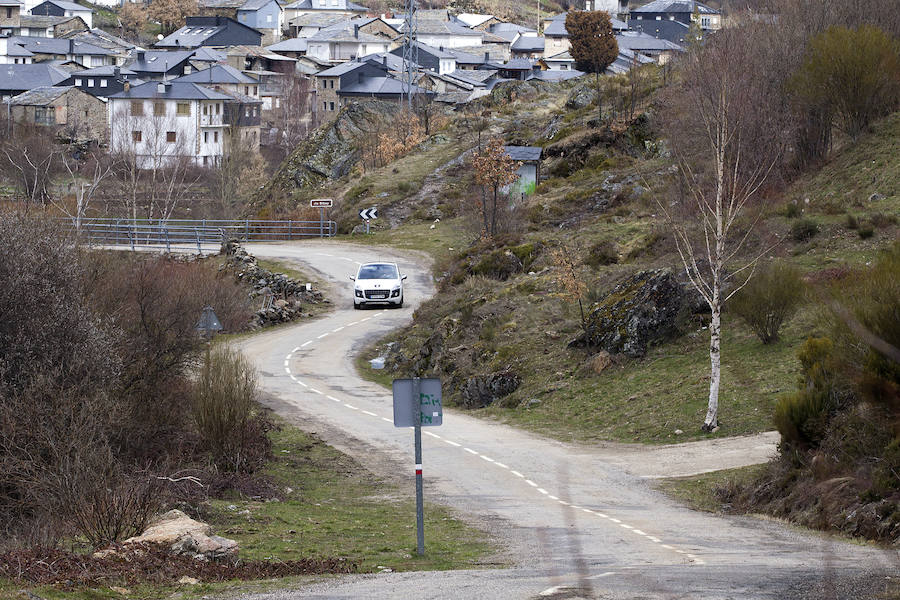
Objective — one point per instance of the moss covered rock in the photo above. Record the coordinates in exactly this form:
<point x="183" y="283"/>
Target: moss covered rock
<point x="638" y="312"/>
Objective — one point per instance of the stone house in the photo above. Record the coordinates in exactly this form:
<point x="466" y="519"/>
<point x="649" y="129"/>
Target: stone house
<point x="10" y="16"/>
<point x="73" y="113"/>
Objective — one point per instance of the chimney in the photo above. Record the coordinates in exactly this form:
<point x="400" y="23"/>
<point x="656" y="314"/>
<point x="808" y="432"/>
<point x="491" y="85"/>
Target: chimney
<point x="356" y="31"/>
<point x="141" y="56"/>
<point x="161" y="88"/>
<point x="487" y="57"/>
<point x="384" y="60"/>
<point x="116" y="72"/>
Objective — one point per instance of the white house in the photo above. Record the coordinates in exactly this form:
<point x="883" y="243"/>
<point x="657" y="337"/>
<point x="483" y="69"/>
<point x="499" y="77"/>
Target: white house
<point x="346" y="42"/>
<point x="62" y="8"/>
<point x="447" y="34"/>
<point x="164" y="122"/>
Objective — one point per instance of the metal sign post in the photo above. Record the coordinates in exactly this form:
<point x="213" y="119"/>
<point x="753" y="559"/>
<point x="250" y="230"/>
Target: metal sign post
<point x="417" y="404"/>
<point x="367" y="214"/>
<point x="322" y="204"/>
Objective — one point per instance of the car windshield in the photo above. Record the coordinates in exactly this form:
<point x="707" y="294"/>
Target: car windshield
<point x="378" y="272"/>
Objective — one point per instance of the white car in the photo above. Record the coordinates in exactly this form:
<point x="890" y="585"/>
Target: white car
<point x="378" y="284"/>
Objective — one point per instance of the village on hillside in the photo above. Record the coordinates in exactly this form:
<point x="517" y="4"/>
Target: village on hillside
<point x="255" y="72"/>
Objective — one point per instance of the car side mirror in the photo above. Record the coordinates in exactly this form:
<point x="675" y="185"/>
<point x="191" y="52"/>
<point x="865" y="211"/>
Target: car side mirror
<point x="403" y="277"/>
<point x="352" y="278"/>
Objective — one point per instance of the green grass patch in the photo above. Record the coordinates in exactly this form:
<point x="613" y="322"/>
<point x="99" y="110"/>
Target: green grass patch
<point x="699" y="491"/>
<point x="446" y="238"/>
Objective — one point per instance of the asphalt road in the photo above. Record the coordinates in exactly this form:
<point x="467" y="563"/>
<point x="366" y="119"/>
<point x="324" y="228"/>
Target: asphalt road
<point x="577" y="521"/>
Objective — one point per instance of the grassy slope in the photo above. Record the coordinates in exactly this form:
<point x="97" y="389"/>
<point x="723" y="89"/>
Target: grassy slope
<point x="523" y="324"/>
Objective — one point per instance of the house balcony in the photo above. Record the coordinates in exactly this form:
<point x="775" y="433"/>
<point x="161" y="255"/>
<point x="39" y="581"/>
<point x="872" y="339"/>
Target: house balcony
<point x="211" y="120"/>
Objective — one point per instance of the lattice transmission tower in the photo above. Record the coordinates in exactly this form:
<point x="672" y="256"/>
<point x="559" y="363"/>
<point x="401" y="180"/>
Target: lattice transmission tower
<point x="410" y="54"/>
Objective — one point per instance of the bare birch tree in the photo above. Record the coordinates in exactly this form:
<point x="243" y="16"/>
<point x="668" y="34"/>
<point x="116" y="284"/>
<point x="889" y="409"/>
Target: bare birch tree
<point x="724" y="125"/>
<point x="86" y="177"/>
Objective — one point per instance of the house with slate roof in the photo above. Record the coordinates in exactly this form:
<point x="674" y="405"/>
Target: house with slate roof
<point x="16" y="79"/>
<point x="224" y="78"/>
<point x="291" y="47"/>
<point x="336" y="7"/>
<point x="430" y="58"/>
<point x="161" y="123"/>
<point x="156" y="65"/>
<point x="55" y="27"/>
<point x="265" y="16"/>
<point x="529" y="170"/>
<point x="63" y="8"/>
<point x="42" y="48"/>
<point x="528" y="46"/>
<point x="446" y="34"/>
<point x="659" y="49"/>
<point x="683" y="11"/>
<point x="105" y="81"/>
<point x="210" y="32"/>
<point x="345" y="41"/>
<point x="68" y="110"/>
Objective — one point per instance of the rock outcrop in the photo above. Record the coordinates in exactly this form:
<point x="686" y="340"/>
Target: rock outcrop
<point x="481" y="390"/>
<point x="638" y="312"/>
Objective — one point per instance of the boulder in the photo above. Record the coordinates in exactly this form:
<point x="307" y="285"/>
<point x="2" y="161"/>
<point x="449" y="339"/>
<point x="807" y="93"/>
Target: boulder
<point x="640" y="311"/>
<point x="600" y="361"/>
<point x="581" y="96"/>
<point x="184" y="535"/>
<point x="482" y="390"/>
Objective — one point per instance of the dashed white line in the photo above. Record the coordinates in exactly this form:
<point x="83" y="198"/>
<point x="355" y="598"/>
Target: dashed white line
<point x="501" y="465"/>
<point x="321" y="336"/>
<point x="602" y="575"/>
<point x="336" y="330"/>
<point x="434" y="435"/>
<point x="371" y="414"/>
<point x="543" y="491"/>
<point x="470" y="451"/>
<point x="306" y="343"/>
<point x="287" y="370"/>
<point x="452" y="443"/>
<point x="297" y="349"/>
<point x="553" y="497"/>
<point x="517" y="474"/>
<point x="315" y="391"/>
<point x="531" y="483"/>
<point x="352" y="324"/>
<point x="601" y="515"/>
<point x="639" y="532"/>
<point x="364" y="320"/>
<point x="386" y="419"/>
<point x="332" y="398"/>
<point x="614" y="520"/>
<point x="487" y="458"/>
<point x="666" y="546"/>
<point x="587" y="510"/>
<point x="350" y="406"/>
<point x="626" y="526"/>
<point x="654" y="539"/>
<point x="303" y="384"/>
<point x="287" y="362"/>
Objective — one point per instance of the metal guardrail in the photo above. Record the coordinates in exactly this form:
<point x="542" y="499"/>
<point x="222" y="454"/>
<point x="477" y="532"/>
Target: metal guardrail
<point x="190" y="233"/>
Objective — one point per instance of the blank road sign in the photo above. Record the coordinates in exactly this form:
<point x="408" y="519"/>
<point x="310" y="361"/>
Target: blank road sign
<point x="429" y="403"/>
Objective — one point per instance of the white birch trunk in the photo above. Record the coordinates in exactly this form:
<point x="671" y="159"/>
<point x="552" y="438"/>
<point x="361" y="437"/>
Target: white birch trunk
<point x="715" y="373"/>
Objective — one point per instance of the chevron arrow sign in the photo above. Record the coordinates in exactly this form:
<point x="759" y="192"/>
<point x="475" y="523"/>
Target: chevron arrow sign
<point x="369" y="213"/>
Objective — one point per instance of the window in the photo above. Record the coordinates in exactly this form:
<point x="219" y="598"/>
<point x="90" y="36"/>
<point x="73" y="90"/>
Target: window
<point x="324" y="106"/>
<point x="103" y="83"/>
<point x="331" y="105"/>
<point x="137" y="108"/>
<point x="170" y="137"/>
<point x="277" y="102"/>
<point x="183" y="109"/>
<point x="44" y="115"/>
<point x="159" y="109"/>
<point x="205" y="160"/>
<point x="9" y="12"/>
<point x="205" y="137"/>
<point x="255" y="88"/>
<point x="246" y="90"/>
<point x="215" y="137"/>
<point x="90" y="82"/>
<point x="205" y="109"/>
<point x="704" y="22"/>
<point x="77" y="81"/>
<point x="331" y="84"/>
<point x="96" y="61"/>
<point x="247" y="112"/>
<point x="268" y="18"/>
<point x="218" y="108"/>
<point x="135" y="136"/>
<point x="324" y="83"/>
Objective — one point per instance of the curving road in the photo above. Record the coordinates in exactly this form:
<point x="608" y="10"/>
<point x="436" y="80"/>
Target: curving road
<point x="578" y="521"/>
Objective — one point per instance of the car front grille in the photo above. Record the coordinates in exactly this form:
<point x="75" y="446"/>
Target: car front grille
<point x="377" y="294"/>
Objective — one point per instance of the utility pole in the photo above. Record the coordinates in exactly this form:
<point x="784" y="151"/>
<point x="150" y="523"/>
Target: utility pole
<point x="410" y="57"/>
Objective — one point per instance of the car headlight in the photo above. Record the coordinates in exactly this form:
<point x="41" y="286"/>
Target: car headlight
<point x="395" y="292"/>
<point x="358" y="292"/>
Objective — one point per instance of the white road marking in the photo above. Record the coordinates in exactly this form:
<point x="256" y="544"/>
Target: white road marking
<point x="587" y="510"/>
<point x="501" y="465"/>
<point x="303" y="384"/>
<point x="487" y="458"/>
<point x="315" y="391"/>
<point x="350" y="406"/>
<point x="434" y="435"/>
<point x="601" y="515"/>
<point x="563" y="502"/>
<point x="371" y="414"/>
<point x="336" y="330"/>
<point x="352" y="324"/>
<point x="287" y="369"/>
<point x="453" y="443"/>
<point x="602" y="575"/>
<point x="543" y="491"/>
<point x="332" y="398"/>
<point x="667" y="547"/>
<point x="297" y="349"/>
<point x="639" y="532"/>
<point x="306" y="343"/>
<point x="470" y="451"/>
<point x="552" y="591"/>
<point x="364" y="320"/>
<point x="321" y="336"/>
<point x="517" y="474"/>
<point x="287" y="362"/>
<point x="553" y="497"/>
<point x="626" y="526"/>
<point x="531" y="483"/>
<point x="386" y="419"/>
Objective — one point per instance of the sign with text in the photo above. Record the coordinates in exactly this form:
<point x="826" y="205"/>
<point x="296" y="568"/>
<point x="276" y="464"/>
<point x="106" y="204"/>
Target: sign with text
<point x="429" y="404"/>
<point x="321" y="203"/>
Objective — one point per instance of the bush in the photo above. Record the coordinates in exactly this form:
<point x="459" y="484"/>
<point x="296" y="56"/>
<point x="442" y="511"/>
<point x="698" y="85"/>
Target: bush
<point x="770" y="298"/>
<point x="223" y="405"/>
<point x="865" y="232"/>
<point x="852" y="222"/>
<point x="792" y="210"/>
<point x="802" y="417"/>
<point x="602" y="254"/>
<point x="803" y="230"/>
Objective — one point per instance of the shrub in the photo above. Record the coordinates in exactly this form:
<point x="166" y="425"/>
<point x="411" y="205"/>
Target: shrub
<point x="803" y="230"/>
<point x="770" y="298"/>
<point x="802" y="417"/>
<point x="881" y="220"/>
<point x="223" y="404"/>
<point x="851" y="222"/>
<point x="792" y="210"/>
<point x="602" y="254"/>
<point x="865" y="232"/>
